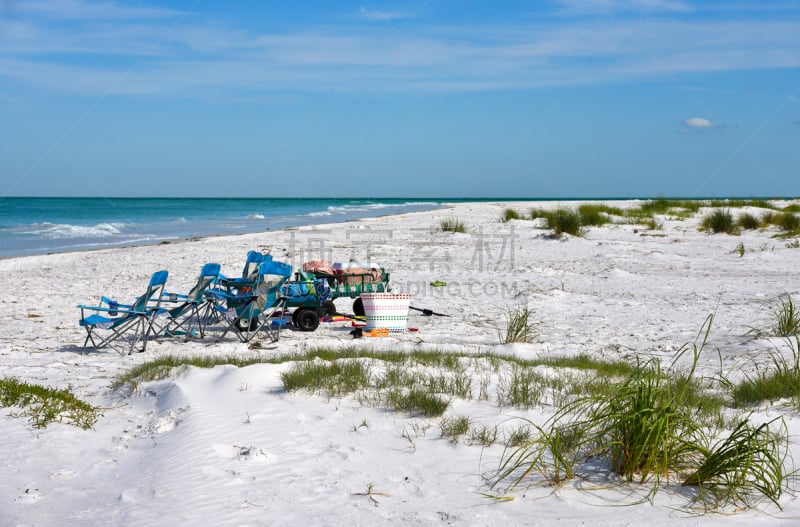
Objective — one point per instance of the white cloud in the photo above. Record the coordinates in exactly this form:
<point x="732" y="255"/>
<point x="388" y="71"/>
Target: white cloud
<point x="610" y="6"/>
<point x="699" y="122"/>
<point x="380" y="16"/>
<point x="82" y="10"/>
<point x="179" y="58"/>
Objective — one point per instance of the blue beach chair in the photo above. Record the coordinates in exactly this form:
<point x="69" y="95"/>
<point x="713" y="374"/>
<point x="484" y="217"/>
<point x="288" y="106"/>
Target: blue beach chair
<point x="248" y="310"/>
<point x="191" y="314"/>
<point x="128" y="323"/>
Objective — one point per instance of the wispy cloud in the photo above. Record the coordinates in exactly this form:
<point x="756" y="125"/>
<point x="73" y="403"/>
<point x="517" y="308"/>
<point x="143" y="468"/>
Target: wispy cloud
<point x="380" y="16"/>
<point x="611" y="6"/>
<point x="158" y="58"/>
<point x="83" y="10"/>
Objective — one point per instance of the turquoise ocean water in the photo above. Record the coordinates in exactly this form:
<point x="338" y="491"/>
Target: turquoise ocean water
<point x="46" y="225"/>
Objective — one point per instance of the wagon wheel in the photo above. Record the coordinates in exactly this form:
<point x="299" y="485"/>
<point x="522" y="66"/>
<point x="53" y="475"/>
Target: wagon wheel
<point x="306" y="319"/>
<point x="358" y="307"/>
<point x="247" y="325"/>
<point x="327" y="309"/>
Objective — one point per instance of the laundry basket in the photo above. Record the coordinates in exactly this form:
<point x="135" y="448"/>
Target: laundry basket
<point x="386" y="310"/>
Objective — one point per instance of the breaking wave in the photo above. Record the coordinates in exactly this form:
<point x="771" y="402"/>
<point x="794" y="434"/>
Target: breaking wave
<point x="367" y="207"/>
<point x="56" y="231"/>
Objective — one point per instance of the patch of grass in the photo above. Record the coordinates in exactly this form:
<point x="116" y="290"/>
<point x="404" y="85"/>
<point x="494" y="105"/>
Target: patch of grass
<point x="453" y="225"/>
<point x="518" y="325"/>
<point x="787" y="318"/>
<point x="454" y="427"/>
<point x="565" y="221"/>
<point x="586" y="362"/>
<point x="769" y="218"/>
<point x="483" y="435"/>
<point x="748" y="221"/>
<point x="665" y="206"/>
<point x="518" y="437"/>
<point x="742" y="467"/>
<point x="163" y="367"/>
<point x="510" y="214"/>
<point x="43" y="405"/>
<point x="645" y="430"/>
<point x="789" y="222"/>
<point x="334" y="378"/>
<point x="740" y="250"/>
<point x="739" y="203"/>
<point x="720" y="220"/>
<point x="417" y="400"/>
<point x="538" y="213"/>
<point x="780" y="380"/>
<point x="594" y="214"/>
<point x="522" y="387"/>
<point x="794" y="207"/>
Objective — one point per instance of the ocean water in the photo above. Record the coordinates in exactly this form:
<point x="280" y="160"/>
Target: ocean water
<point x="47" y="225"/>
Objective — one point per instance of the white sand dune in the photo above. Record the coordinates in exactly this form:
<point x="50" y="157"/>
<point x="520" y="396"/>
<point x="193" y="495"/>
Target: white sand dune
<point x="229" y="446"/>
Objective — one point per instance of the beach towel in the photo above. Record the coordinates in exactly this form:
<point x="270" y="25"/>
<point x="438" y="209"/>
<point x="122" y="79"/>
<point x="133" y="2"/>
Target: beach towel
<point x="318" y="267"/>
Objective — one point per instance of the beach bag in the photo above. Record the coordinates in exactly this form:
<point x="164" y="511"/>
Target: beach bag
<point x="359" y="275"/>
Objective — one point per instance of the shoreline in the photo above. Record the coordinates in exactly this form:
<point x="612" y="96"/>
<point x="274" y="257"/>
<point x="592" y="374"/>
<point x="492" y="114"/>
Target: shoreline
<point x="315" y="219"/>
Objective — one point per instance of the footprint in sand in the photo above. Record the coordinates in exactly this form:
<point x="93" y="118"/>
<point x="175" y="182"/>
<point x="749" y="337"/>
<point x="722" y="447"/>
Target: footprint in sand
<point x="29" y="496"/>
<point x="242" y="453"/>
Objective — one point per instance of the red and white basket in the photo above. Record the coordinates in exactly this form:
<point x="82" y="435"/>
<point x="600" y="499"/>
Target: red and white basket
<point x="386" y="310"/>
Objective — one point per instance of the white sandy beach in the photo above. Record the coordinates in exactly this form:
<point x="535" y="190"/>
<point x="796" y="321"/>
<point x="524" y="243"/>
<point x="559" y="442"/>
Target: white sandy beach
<point x="229" y="446"/>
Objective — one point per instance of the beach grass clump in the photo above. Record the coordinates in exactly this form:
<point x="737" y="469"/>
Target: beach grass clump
<point x="789" y="223"/>
<point x="794" y="207"/>
<point x="636" y="432"/>
<point x="334" y="378"/>
<point x="417" y="400"/>
<point x="483" y="435"/>
<point x="169" y="365"/>
<point x="780" y="380"/>
<point x="720" y="220"/>
<point x="584" y="362"/>
<point x="510" y="214"/>
<point x="536" y="213"/>
<point x="518" y="325"/>
<point x="769" y="218"/>
<point x="453" y="225"/>
<point x="593" y="214"/>
<point x="646" y="430"/>
<point x="565" y="221"/>
<point x="44" y="405"/>
<point x="522" y="387"/>
<point x="746" y="464"/>
<point x="665" y="206"/>
<point x="519" y="436"/>
<point x="454" y="427"/>
<point x="786" y="317"/>
<point x="740" y="203"/>
<point x="748" y="221"/>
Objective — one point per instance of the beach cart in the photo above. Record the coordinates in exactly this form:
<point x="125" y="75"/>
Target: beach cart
<point x="311" y="297"/>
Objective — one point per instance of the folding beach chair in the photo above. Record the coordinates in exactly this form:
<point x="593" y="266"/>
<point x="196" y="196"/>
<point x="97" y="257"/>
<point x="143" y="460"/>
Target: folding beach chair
<point x="250" y="270"/>
<point x="249" y="310"/>
<point x="131" y="323"/>
<point x="191" y="314"/>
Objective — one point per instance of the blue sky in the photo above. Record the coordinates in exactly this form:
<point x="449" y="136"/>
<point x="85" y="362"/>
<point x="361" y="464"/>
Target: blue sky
<point x="448" y="98"/>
